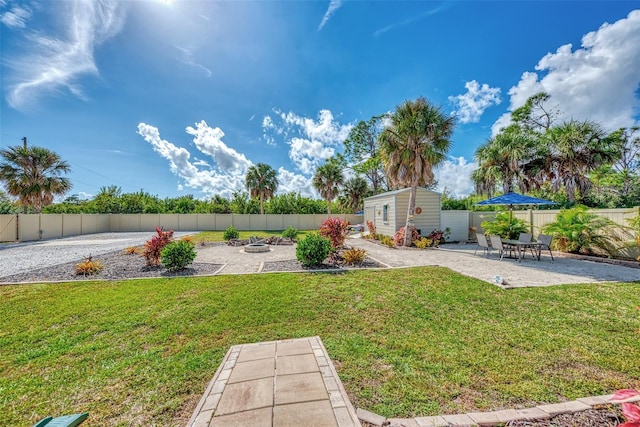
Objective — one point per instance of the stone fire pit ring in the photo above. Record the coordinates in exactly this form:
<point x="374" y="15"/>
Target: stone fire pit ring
<point x="254" y="248"/>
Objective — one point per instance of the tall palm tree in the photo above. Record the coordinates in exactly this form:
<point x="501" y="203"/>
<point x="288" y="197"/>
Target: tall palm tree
<point x="578" y="148"/>
<point x="327" y="180"/>
<point x="354" y="192"/>
<point x="261" y="181"/>
<point x="33" y="175"/>
<point x="504" y="158"/>
<point x="417" y="140"/>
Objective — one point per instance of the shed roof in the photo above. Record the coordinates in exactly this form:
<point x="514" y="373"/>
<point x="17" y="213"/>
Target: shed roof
<point x="396" y="192"/>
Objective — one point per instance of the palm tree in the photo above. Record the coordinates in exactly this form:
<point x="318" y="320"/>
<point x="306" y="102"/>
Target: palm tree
<point x="33" y="175"/>
<point x="261" y="182"/>
<point x="578" y="148"/>
<point x="503" y="157"/>
<point x="416" y="141"/>
<point x="327" y="180"/>
<point x="354" y="192"/>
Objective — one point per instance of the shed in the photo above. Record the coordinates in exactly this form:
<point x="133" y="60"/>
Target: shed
<point x="388" y="211"/>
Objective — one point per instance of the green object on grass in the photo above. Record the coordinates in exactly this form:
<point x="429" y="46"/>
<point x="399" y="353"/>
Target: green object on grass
<point x="64" y="421"/>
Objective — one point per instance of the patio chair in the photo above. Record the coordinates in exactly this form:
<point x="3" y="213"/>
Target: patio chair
<point x="496" y="243"/>
<point x="482" y="244"/>
<point x="526" y="237"/>
<point x="64" y="421"/>
<point x="544" y="244"/>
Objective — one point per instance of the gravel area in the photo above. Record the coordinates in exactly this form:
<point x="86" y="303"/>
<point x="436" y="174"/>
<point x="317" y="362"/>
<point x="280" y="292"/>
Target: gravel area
<point x="25" y="257"/>
<point x="607" y="416"/>
<point x="117" y="266"/>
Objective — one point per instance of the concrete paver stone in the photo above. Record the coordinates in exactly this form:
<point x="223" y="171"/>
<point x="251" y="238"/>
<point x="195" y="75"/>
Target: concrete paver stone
<point x="252" y="370"/>
<point x="370" y="417"/>
<point x="286" y="348"/>
<point x="245" y="396"/>
<point x="256" y="418"/>
<point x="300" y="388"/>
<point x="488" y="419"/>
<point x="256" y="351"/>
<point x="317" y="414"/>
<point x="435" y="421"/>
<point x="564" y="408"/>
<point x="298" y="364"/>
<point x="459" y="420"/>
<point x="402" y="422"/>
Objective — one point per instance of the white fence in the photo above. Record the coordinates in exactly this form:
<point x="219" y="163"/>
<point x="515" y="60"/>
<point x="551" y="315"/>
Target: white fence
<point x="29" y="227"/>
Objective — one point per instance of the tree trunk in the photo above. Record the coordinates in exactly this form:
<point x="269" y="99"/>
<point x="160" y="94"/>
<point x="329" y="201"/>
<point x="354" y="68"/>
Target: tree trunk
<point x="329" y="207"/>
<point x="409" y="224"/>
<point x="261" y="205"/>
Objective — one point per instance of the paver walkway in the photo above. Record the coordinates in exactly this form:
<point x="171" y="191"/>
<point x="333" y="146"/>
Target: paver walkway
<point x="276" y="384"/>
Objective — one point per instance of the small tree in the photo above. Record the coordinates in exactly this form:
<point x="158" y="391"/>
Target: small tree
<point x="335" y="230"/>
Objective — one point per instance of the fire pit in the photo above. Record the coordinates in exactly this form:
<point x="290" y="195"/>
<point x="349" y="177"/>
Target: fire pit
<point x="254" y="248"/>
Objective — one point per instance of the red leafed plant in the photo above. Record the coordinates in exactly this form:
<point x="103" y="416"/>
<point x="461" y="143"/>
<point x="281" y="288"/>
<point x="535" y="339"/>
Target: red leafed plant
<point x="398" y="239"/>
<point x="372" y="229"/>
<point x="153" y="248"/>
<point x="335" y="230"/>
<point x="631" y="411"/>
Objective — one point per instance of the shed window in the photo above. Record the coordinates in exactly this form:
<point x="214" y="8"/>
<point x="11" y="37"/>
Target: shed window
<point x="385" y="213"/>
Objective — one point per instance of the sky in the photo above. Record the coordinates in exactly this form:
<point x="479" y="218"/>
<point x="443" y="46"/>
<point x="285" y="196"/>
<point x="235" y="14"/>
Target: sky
<point x="178" y="97"/>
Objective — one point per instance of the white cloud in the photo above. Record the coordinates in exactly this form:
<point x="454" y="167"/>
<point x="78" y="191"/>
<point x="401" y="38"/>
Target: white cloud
<point x="597" y="81"/>
<point x="333" y="6"/>
<point x="224" y="180"/>
<point x="290" y="182"/>
<point x="471" y="105"/>
<point x="307" y="155"/>
<point x="57" y="61"/>
<point x="455" y="175"/>
<point x="15" y="16"/>
<point x="209" y="141"/>
<point x="311" y="141"/>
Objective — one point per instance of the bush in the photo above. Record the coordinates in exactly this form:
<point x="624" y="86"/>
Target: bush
<point x="387" y="241"/>
<point x="438" y="236"/>
<point x="335" y="230"/>
<point x="505" y="226"/>
<point x="354" y="256"/>
<point x="89" y="267"/>
<point x="398" y="239"/>
<point x="577" y="230"/>
<point x="423" y="243"/>
<point x="153" y="247"/>
<point x="291" y="233"/>
<point x="231" y="233"/>
<point x="313" y="249"/>
<point x="177" y="255"/>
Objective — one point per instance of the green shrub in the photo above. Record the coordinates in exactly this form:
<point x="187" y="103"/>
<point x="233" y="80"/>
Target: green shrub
<point x="577" y="230"/>
<point x="231" y="233"/>
<point x="291" y="233"/>
<point x="505" y="226"/>
<point x="313" y="249"/>
<point x="177" y="255"/>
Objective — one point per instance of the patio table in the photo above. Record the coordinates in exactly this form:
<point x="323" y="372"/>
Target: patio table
<point x="523" y="246"/>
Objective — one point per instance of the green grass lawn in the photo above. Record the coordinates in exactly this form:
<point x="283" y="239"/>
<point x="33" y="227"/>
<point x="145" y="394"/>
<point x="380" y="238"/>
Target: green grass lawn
<point x="406" y="342"/>
<point x="218" y="236"/>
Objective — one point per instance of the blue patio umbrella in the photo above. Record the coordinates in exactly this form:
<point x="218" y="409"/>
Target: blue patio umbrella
<point x="511" y="199"/>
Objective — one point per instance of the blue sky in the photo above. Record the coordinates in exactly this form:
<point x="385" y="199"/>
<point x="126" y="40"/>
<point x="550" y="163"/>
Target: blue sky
<point x="181" y="96"/>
